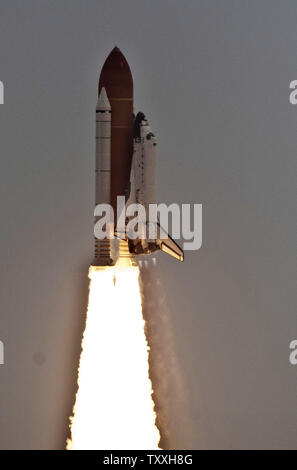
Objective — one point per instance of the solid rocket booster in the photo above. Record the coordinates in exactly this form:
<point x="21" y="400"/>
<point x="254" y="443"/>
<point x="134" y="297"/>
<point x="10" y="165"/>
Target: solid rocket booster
<point x="103" y="169"/>
<point x="125" y="164"/>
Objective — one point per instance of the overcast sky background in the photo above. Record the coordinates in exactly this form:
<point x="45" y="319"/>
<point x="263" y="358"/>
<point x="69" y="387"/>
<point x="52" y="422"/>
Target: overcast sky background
<point x="213" y="79"/>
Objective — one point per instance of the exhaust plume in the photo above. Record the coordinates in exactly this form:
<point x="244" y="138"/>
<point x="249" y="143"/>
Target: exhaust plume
<point x="114" y="408"/>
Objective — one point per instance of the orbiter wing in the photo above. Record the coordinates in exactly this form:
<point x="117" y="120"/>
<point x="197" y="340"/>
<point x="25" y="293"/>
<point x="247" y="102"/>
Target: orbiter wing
<point x="169" y="246"/>
<point x="146" y="245"/>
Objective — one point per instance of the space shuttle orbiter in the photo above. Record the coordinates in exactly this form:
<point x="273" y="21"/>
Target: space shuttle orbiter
<point x="125" y="165"/>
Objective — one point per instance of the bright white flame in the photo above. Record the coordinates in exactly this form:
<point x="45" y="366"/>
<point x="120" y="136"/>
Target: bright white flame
<point x="114" y="408"/>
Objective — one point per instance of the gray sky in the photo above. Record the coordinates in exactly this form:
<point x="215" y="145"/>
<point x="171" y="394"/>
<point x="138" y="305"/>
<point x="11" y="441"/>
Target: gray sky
<point x="213" y="79"/>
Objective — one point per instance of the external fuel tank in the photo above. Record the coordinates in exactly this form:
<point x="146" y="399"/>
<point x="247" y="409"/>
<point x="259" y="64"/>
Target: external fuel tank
<point x="117" y="80"/>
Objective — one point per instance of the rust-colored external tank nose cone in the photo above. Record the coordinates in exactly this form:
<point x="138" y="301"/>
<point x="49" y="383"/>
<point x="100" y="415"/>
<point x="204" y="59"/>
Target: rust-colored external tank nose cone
<point x="117" y="80"/>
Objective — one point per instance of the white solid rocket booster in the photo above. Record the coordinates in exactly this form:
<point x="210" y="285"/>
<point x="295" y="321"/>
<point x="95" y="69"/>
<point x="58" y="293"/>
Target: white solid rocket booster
<point x="103" y="168"/>
<point x="103" y="120"/>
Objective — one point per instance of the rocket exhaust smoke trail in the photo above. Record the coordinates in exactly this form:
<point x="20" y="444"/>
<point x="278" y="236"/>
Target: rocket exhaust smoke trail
<point x="114" y="407"/>
<point x="170" y="394"/>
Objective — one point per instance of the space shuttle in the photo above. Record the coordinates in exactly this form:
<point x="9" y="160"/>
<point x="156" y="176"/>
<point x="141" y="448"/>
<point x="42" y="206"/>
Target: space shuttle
<point x="125" y="166"/>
